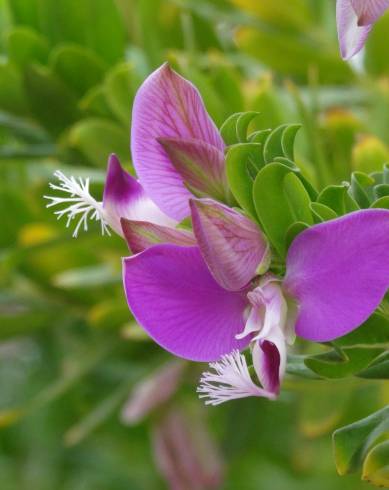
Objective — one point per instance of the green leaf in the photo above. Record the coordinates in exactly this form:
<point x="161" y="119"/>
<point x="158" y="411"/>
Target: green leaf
<point x="106" y="34"/>
<point x="381" y="190"/>
<point x="287" y="162"/>
<point x="51" y="102"/>
<point x="352" y="442"/>
<point x="307" y="184"/>
<point x="234" y="129"/>
<point x="297" y="198"/>
<point x="322" y="212"/>
<point x="94" y="103"/>
<point x="120" y="87"/>
<point x="382" y="203"/>
<point x="297" y="367"/>
<point x="376" y="465"/>
<point x="288" y="138"/>
<point x="373" y="332"/>
<point x="332" y="365"/>
<point x="77" y="66"/>
<point x="12" y="95"/>
<point x="95" y="24"/>
<point x="278" y="202"/>
<point x="280" y="143"/>
<point x="359" y="181"/>
<point x="271" y="204"/>
<point x="242" y="125"/>
<point x="385" y="174"/>
<point x="378" y="369"/>
<point x="228" y="129"/>
<point x="259" y="136"/>
<point x="273" y="145"/>
<point x="337" y="198"/>
<point x="98" y="138"/>
<point x="26" y="46"/>
<point x="24" y="128"/>
<point x="24" y="12"/>
<point x="239" y="177"/>
<point x="293" y="231"/>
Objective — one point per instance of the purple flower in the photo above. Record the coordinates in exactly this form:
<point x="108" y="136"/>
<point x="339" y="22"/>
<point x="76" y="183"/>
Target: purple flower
<point x="355" y="18"/>
<point x="175" y="147"/>
<point x="205" y="295"/>
<point x="174" y="143"/>
<point x="124" y="198"/>
<point x="337" y="275"/>
<point x="232" y="245"/>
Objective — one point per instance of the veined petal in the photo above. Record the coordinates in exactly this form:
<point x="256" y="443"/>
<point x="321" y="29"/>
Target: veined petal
<point x="177" y="301"/>
<point x="200" y="165"/>
<point x="369" y="11"/>
<point x="124" y="197"/>
<point x="338" y="272"/>
<point x="232" y="245"/>
<point x="352" y="36"/>
<point x="167" y="106"/>
<point x="142" y="234"/>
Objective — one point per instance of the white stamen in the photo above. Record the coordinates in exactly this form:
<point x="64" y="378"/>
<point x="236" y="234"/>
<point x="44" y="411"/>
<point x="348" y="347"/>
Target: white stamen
<point x="230" y="380"/>
<point x="80" y="205"/>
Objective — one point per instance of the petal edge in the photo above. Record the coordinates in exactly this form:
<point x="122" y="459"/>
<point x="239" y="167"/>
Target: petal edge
<point x="174" y="297"/>
<point x="338" y="272"/>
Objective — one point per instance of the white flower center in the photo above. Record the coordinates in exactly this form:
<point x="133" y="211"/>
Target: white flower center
<point x="269" y="320"/>
<point x="230" y="380"/>
<point x="80" y="206"/>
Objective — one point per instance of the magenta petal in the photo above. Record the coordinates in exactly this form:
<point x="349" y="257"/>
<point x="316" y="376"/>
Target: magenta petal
<point x="176" y="300"/>
<point x="352" y="36"/>
<point x="141" y="235"/>
<point x="232" y="245"/>
<point x="369" y="11"/>
<point x="124" y="197"/>
<point x="167" y="106"/>
<point x="200" y="165"/>
<point x="338" y="272"/>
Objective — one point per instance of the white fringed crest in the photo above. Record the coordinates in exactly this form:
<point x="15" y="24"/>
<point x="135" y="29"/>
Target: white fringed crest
<point x="80" y="205"/>
<point x="229" y="380"/>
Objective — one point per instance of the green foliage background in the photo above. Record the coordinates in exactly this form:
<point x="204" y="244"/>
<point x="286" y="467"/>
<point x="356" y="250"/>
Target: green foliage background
<point x="69" y="351"/>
